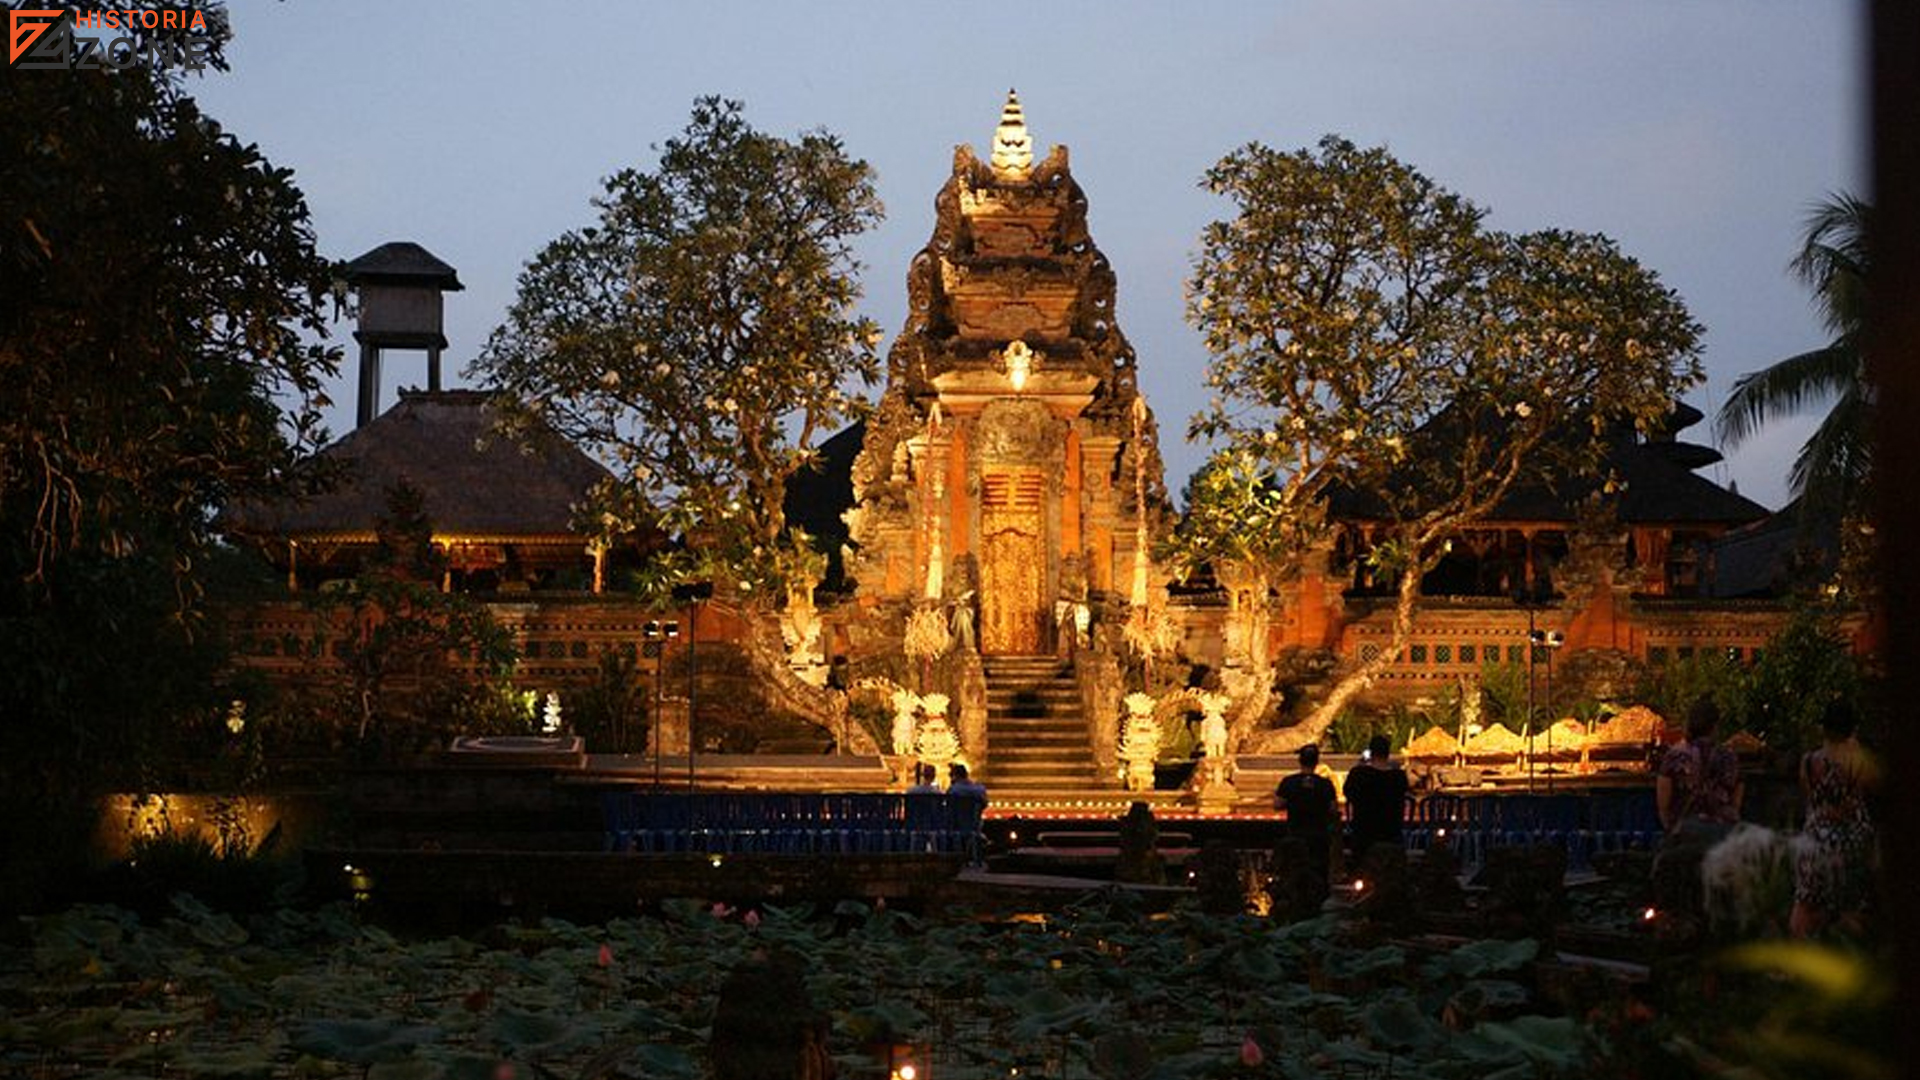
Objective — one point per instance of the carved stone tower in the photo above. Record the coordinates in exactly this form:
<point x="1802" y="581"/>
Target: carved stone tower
<point x="1011" y="452"/>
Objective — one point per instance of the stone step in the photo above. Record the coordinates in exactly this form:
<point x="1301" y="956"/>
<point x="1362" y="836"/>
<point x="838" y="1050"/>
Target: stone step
<point x="1068" y="727"/>
<point x="1061" y="736"/>
<point x="1062" y="692"/>
<point x="1052" y="723"/>
<point x="1014" y="778"/>
<point x="1043" y="752"/>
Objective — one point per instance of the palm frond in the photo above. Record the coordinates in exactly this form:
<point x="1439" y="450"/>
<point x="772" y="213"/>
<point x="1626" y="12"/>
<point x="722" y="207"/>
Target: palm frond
<point x="1787" y="388"/>
<point x="1832" y="468"/>
<point x="1834" y="259"/>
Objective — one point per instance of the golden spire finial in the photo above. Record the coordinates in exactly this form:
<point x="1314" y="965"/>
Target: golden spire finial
<point x="1012" y="156"/>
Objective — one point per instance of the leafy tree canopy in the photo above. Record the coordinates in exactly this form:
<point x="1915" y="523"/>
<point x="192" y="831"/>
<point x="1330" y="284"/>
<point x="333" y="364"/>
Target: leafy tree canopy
<point x="1370" y="334"/>
<point x="162" y="293"/>
<point x="702" y="334"/>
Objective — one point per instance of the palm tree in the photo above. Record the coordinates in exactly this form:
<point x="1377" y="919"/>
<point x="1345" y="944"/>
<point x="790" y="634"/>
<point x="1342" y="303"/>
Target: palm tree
<point x="1830" y="473"/>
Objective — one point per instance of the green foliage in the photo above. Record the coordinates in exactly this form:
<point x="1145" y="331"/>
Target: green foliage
<point x="162" y="288"/>
<point x="1806" y="665"/>
<point x="229" y="877"/>
<point x="1781" y="695"/>
<point x="1370" y="338"/>
<point x="1096" y="989"/>
<point x="1235" y="514"/>
<point x="1674" y="687"/>
<point x="611" y="712"/>
<point x="700" y="335"/>
<point x="1349" y="731"/>
<point x="1831" y="472"/>
<point x="418" y="661"/>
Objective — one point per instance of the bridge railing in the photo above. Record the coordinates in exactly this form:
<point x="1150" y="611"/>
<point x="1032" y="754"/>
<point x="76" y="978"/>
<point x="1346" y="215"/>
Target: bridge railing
<point x="790" y="823"/>
<point x="1586" y="823"/>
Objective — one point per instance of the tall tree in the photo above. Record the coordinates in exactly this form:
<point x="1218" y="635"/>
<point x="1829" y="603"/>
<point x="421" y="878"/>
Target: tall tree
<point x="1370" y="334"/>
<point x="701" y="336"/>
<point x="161" y="292"/>
<point x="1833" y="466"/>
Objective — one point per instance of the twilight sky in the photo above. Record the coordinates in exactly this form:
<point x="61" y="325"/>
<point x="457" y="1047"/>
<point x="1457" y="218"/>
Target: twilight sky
<point x="1696" y="134"/>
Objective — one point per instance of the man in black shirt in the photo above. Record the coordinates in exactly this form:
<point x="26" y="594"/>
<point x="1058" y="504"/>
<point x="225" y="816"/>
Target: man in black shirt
<point x="1377" y="798"/>
<point x="1307" y="798"/>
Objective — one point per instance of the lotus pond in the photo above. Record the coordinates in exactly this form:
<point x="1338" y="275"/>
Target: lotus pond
<point x="1100" y="989"/>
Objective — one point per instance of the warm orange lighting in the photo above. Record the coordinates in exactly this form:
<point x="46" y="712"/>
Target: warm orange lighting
<point x="907" y="1072"/>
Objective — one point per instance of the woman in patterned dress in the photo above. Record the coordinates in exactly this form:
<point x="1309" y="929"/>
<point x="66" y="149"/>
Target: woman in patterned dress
<point x="1833" y="859"/>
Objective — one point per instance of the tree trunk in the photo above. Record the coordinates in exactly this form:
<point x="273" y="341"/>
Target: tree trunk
<point x="1406" y="600"/>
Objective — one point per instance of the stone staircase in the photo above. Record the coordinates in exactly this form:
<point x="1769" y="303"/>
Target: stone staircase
<point x="1036" y="730"/>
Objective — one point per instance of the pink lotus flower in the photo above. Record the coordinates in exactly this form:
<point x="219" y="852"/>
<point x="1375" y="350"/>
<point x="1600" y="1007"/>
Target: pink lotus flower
<point x="1250" y="1053"/>
<point x="606" y="955"/>
<point x="752" y="919"/>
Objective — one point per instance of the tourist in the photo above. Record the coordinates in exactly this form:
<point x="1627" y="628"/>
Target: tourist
<point x="1833" y="859"/>
<point x="1697" y="793"/>
<point x="924" y="780"/>
<point x="1698" y="789"/>
<point x="959" y="784"/>
<point x="1307" y="798"/>
<point x="1376" y="792"/>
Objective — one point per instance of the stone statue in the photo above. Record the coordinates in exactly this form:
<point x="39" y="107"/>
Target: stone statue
<point x="904" y="704"/>
<point x="961" y="631"/>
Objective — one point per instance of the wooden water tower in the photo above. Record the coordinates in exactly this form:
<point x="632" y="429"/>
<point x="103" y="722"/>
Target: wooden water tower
<point x="399" y="286"/>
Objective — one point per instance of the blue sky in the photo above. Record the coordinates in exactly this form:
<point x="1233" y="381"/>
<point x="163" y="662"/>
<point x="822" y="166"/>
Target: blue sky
<point x="1696" y="134"/>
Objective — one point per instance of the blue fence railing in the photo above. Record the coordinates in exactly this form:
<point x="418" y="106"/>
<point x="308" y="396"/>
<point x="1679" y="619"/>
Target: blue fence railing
<point x="1586" y="823"/>
<point x="796" y="823"/>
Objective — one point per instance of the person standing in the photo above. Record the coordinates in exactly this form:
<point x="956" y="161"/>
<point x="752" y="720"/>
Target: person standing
<point x="1308" y="799"/>
<point x="1698" y="788"/>
<point x="1697" y="792"/>
<point x="924" y="780"/>
<point x="959" y="784"/>
<point x="1833" y="862"/>
<point x="1377" y="797"/>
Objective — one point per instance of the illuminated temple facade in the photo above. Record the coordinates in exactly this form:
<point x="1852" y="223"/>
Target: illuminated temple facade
<point x="1004" y="497"/>
<point x="1012" y="457"/>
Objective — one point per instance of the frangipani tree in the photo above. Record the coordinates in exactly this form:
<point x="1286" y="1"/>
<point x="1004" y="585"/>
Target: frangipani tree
<point x="702" y="334"/>
<point x="1370" y="336"/>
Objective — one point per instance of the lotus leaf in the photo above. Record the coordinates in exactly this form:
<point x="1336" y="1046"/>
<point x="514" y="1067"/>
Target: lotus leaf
<point x="1396" y="1023"/>
<point x="361" y="1042"/>
<point x="1552" y="1041"/>
<point x="1349" y="964"/>
<point x="885" y="1021"/>
<point x="410" y="1069"/>
<point x="239" y="1063"/>
<point x="1478" y="958"/>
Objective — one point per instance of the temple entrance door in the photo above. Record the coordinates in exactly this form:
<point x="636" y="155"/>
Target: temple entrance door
<point x="1013" y="564"/>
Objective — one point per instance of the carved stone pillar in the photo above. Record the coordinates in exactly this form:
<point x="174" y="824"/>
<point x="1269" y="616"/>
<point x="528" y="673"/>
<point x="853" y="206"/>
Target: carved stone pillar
<point x="1103" y="525"/>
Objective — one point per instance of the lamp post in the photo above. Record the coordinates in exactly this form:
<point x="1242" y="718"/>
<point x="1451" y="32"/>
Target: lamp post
<point x="657" y="634"/>
<point x="1552" y="640"/>
<point x="1533" y="597"/>
<point x="691" y="595"/>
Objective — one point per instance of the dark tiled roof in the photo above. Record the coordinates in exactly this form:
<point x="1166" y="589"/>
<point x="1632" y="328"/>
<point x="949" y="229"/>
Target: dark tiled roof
<point x="817" y="497"/>
<point x="1661" y="486"/>
<point x="1768" y="556"/>
<point x="476" y="482"/>
<point x="402" y="262"/>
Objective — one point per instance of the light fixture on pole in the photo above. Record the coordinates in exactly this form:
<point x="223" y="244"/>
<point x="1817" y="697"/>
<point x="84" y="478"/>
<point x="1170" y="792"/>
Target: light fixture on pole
<point x="1552" y="639"/>
<point x="657" y="635"/>
<point x="691" y="595"/>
